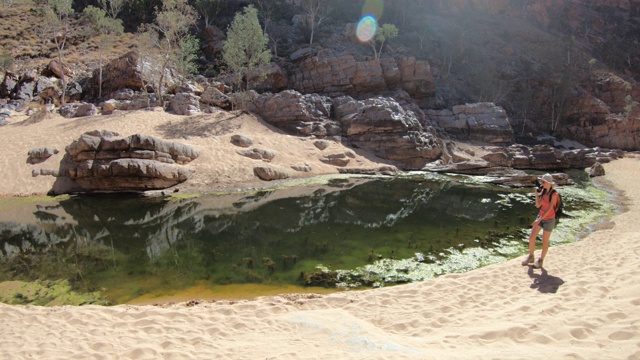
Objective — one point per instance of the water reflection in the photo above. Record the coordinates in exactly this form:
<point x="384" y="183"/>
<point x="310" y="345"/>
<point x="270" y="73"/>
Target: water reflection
<point x="129" y="246"/>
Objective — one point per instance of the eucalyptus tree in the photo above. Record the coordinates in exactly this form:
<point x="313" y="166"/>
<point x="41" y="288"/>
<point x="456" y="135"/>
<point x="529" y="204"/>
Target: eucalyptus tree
<point x="112" y="7"/>
<point x="209" y="9"/>
<point x="6" y="60"/>
<point x="170" y="31"/>
<point x="55" y="16"/>
<point x="146" y="60"/>
<point x="106" y="29"/>
<point x="245" y="51"/>
<point x="316" y="12"/>
<point x="384" y="33"/>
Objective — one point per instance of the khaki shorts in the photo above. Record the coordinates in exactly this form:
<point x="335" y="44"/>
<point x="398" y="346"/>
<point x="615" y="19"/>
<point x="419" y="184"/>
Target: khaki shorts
<point x="548" y="225"/>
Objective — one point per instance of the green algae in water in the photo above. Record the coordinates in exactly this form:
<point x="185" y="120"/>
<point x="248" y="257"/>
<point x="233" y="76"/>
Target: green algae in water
<point x="46" y="293"/>
<point x="380" y="231"/>
<point x="585" y="207"/>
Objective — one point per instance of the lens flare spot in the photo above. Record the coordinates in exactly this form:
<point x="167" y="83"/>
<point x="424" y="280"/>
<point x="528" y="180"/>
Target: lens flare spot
<point x="366" y="29"/>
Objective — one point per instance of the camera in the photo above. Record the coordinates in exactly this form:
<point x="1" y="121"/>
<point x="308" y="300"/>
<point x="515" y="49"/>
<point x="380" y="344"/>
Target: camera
<point x="538" y="184"/>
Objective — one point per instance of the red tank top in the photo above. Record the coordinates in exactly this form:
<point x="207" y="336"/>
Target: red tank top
<point x="545" y="203"/>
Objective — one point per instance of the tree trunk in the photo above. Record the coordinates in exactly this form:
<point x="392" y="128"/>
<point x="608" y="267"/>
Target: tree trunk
<point x="313" y="26"/>
<point x="159" y="89"/>
<point x="63" y="79"/>
<point x="100" y="76"/>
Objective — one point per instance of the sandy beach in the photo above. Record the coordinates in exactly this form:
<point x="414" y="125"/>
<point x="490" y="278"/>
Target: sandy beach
<point x="584" y="304"/>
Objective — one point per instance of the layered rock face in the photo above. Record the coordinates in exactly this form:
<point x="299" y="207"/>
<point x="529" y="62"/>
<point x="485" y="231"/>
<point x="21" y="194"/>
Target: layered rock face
<point x="390" y="128"/>
<point x="326" y="72"/>
<point x="98" y="161"/>
<point x="607" y="116"/>
<point x="477" y="122"/>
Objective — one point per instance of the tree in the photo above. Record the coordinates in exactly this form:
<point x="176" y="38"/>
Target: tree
<point x="245" y="50"/>
<point x="148" y="58"/>
<point x="6" y="60"/>
<point x="112" y="7"/>
<point x="171" y="29"/>
<point x="209" y="9"/>
<point x="316" y="12"/>
<point x="184" y="58"/>
<point x="105" y="28"/>
<point x="384" y="33"/>
<point x="55" y="16"/>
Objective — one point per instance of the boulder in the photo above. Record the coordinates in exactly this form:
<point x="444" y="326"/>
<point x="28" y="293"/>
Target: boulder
<point x="241" y="141"/>
<point x="39" y="155"/>
<point x="127" y="99"/>
<point x="269" y="173"/>
<point x="258" y="154"/>
<point x="302" y="54"/>
<point x="108" y="106"/>
<point x="212" y="95"/>
<point x="25" y="90"/>
<point x="321" y="144"/>
<point x="185" y="104"/>
<point x="126" y="72"/>
<point x="596" y="170"/>
<point x="16" y="105"/>
<point x="74" y="92"/>
<point x="302" y="168"/>
<point x="100" y="162"/>
<point x="48" y="90"/>
<point x="271" y="78"/>
<point x="8" y="85"/>
<point x="338" y="159"/>
<point x="59" y="69"/>
<point x="74" y="110"/>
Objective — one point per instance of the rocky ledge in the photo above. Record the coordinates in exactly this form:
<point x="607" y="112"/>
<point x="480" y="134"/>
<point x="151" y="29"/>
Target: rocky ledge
<point x="99" y="161"/>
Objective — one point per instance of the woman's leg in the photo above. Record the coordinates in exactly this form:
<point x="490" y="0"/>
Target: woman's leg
<point x="545" y="243"/>
<point x="535" y="230"/>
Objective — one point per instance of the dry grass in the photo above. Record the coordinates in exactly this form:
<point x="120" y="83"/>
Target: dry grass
<point x="25" y="43"/>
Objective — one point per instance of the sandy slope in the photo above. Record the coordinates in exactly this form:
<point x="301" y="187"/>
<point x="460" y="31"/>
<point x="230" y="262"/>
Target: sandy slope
<point x="218" y="167"/>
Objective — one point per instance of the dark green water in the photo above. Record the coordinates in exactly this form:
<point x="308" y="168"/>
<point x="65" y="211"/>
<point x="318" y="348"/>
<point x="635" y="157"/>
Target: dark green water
<point x="129" y="249"/>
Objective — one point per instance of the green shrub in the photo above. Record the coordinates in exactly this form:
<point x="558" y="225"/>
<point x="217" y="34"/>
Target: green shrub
<point x="6" y="61"/>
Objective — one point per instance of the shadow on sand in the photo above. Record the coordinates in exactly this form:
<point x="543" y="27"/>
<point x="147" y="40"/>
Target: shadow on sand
<point x="544" y="282"/>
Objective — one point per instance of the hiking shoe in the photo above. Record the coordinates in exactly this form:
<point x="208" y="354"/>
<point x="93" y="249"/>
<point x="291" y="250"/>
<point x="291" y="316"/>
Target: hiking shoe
<point x="538" y="263"/>
<point x="528" y="260"/>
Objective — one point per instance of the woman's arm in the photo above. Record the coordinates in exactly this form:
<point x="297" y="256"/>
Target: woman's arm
<point x="538" y="195"/>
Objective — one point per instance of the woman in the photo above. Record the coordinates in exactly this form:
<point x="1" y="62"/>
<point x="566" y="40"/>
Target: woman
<point x="546" y="201"/>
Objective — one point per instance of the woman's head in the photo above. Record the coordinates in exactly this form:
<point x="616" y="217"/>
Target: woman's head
<point x="547" y="180"/>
